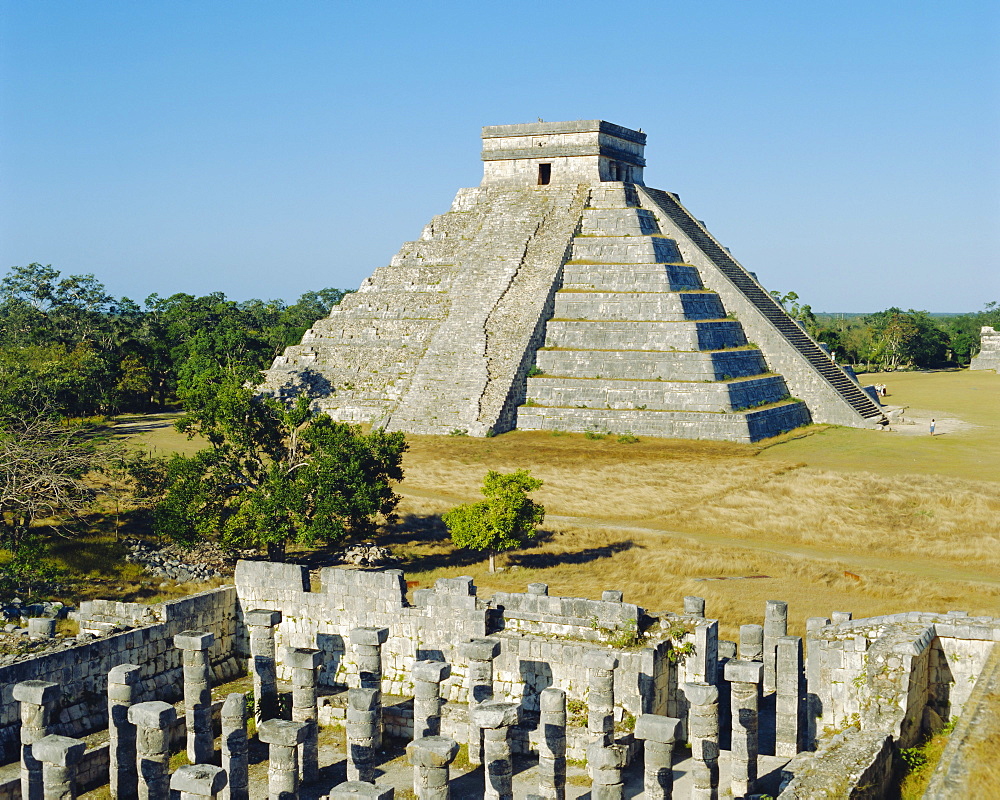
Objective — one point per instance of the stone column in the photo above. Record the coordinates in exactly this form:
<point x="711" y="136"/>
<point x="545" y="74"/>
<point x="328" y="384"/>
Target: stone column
<point x="152" y="721"/>
<point x="235" y="757"/>
<point x="261" y="624"/>
<point x="355" y="790"/>
<point x="368" y="656"/>
<point x="694" y="606"/>
<point x="659" y="734"/>
<point x="775" y="626"/>
<point x="123" y="779"/>
<point x="495" y="719"/>
<point x="703" y="735"/>
<point x="606" y="764"/>
<point x="59" y="756"/>
<point x="813" y="704"/>
<point x="600" y="666"/>
<point x="283" y="739"/>
<point x="552" y="745"/>
<point x="362" y="722"/>
<point x="430" y="757"/>
<point x="427" y="678"/>
<point x="479" y="655"/>
<point x="41" y="628"/>
<point x="703" y="664"/>
<point x="744" y="678"/>
<point x="37" y="699"/>
<point x="788" y="698"/>
<point x="198" y="781"/>
<point x="197" y="694"/>
<point x="304" y="664"/>
<point x="751" y="643"/>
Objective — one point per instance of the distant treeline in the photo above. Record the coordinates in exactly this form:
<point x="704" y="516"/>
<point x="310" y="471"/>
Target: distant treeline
<point x="896" y="339"/>
<point x="71" y="349"/>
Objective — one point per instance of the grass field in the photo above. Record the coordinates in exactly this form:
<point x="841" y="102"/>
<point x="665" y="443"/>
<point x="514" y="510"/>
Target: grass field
<point x="826" y="518"/>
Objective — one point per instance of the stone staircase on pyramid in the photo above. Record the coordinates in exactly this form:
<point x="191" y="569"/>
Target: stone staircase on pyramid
<point x="638" y="345"/>
<point x="562" y="293"/>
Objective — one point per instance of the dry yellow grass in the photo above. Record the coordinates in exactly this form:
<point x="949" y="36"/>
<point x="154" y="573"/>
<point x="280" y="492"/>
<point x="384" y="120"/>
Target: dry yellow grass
<point x="826" y="513"/>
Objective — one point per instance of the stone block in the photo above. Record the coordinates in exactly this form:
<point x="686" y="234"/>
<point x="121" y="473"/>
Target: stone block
<point x="494" y="714"/>
<point x="462" y="585"/>
<point x="600" y="659"/>
<point x="153" y="714"/>
<point x="36" y="692"/>
<point x="612" y="596"/>
<point x="744" y="671"/>
<point x="538" y="588"/>
<point x="600" y="757"/>
<point x="370" y="637"/>
<point x="302" y="658"/>
<point x="701" y="694"/>
<point x="694" y="606"/>
<point x="282" y="732"/>
<point x="194" y="640"/>
<point x="363" y="699"/>
<point x="657" y="728"/>
<point x="431" y="671"/>
<point x="479" y="649"/>
<point x="205" y="780"/>
<point x="41" y="628"/>
<point x="433" y="752"/>
<point x="62" y="751"/>
<point x="552" y="701"/>
<point x="262" y="617"/>
<point x="125" y="674"/>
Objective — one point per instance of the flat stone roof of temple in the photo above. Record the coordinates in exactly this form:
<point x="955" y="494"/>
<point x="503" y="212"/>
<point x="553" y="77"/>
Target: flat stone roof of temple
<point x="572" y="126"/>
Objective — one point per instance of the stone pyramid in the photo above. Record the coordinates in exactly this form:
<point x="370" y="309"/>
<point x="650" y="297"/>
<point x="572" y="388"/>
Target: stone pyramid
<point x="563" y="294"/>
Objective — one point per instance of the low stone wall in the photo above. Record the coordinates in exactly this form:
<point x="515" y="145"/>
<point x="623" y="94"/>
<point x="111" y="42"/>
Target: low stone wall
<point x="82" y="671"/>
<point x="853" y="764"/>
<point x="543" y="639"/>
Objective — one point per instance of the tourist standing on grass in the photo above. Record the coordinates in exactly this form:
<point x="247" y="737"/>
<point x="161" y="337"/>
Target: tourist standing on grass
<point x="932" y="427"/>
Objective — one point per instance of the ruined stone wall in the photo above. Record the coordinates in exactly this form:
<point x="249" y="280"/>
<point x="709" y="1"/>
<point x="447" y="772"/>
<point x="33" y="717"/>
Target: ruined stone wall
<point x="82" y="670"/>
<point x="543" y="638"/>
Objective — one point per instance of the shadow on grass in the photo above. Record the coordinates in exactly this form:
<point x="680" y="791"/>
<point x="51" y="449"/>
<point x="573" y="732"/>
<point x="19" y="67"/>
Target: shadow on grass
<point x="585" y="556"/>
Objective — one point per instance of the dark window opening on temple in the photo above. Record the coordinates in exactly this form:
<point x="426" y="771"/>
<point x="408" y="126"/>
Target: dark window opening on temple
<point x="544" y="174"/>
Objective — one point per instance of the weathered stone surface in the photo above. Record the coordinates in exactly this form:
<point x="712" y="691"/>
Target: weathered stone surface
<point x="432" y="751"/>
<point x="36" y="692"/>
<point x="194" y="640"/>
<point x="260" y="616"/>
<point x="62" y="751"/>
<point x="495" y="714"/>
<point x="657" y="728"/>
<point x="281" y="732"/>
<point x="205" y="780"/>
<point x="443" y="338"/>
<point x="371" y="637"/>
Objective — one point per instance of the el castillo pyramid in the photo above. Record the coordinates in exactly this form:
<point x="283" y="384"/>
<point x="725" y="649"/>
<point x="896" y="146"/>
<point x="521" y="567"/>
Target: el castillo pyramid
<point x="564" y="294"/>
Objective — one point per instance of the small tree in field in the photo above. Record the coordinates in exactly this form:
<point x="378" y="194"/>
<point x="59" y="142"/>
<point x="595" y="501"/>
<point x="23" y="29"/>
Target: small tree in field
<point x="505" y="520"/>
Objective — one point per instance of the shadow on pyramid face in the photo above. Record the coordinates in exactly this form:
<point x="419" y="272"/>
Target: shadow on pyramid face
<point x="307" y="382"/>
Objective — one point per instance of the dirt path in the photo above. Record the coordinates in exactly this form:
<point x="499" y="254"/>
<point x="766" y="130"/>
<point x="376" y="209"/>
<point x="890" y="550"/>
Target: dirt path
<point x="851" y="561"/>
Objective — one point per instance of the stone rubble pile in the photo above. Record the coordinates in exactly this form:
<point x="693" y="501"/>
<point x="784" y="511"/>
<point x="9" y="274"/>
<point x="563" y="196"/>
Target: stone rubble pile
<point x="201" y="562"/>
<point x="365" y="554"/>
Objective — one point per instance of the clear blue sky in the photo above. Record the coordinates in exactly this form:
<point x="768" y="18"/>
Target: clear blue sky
<point x="849" y="151"/>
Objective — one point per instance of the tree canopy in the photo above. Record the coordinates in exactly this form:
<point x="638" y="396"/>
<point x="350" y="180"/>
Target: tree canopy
<point x="505" y="520"/>
<point x="276" y="472"/>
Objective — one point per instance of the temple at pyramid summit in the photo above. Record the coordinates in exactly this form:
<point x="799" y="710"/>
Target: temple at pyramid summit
<point x="564" y="294"/>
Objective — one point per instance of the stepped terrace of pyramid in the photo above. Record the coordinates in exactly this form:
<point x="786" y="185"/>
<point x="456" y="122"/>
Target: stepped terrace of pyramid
<point x="564" y="294"/>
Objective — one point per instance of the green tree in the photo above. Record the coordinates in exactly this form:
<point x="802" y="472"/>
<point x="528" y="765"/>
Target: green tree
<point x="505" y="520"/>
<point x="277" y="472"/>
